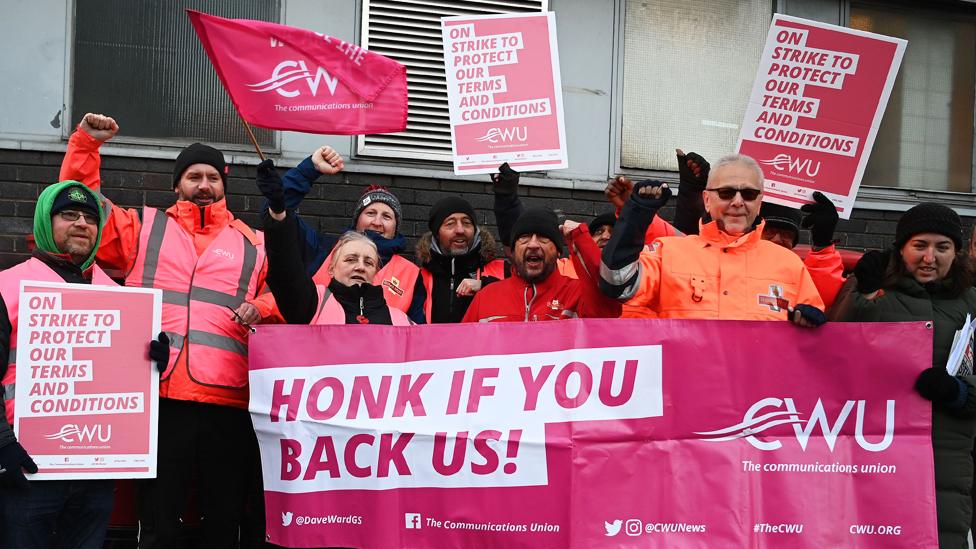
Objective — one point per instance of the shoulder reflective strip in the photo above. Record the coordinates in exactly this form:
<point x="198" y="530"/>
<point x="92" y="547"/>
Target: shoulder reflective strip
<point x="619" y="276"/>
<point x="9" y="391"/>
<point x="173" y="297"/>
<point x="175" y="340"/>
<point x="12" y="356"/>
<point x="156" y="234"/>
<point x="491" y="318"/>
<point x="217" y="341"/>
<point x="215" y="297"/>
<point x="247" y="270"/>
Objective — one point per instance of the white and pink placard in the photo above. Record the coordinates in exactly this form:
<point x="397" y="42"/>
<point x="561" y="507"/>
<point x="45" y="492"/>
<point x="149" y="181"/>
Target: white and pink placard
<point x="504" y="92"/>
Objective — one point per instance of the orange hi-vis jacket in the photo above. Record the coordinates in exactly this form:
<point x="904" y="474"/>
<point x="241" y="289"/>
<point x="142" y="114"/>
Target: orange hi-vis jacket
<point x="205" y="260"/>
<point x="32" y="269"/>
<point x="330" y="311"/>
<point x="714" y="275"/>
<point x="565" y="267"/>
<point x="397" y="277"/>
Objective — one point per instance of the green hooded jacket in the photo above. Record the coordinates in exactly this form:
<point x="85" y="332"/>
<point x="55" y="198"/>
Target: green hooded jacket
<point x="44" y="235"/>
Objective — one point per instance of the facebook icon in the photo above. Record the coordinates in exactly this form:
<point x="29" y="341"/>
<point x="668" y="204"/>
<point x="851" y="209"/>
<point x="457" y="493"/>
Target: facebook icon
<point x="412" y="521"/>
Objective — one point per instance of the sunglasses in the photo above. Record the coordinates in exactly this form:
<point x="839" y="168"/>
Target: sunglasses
<point x="728" y="193"/>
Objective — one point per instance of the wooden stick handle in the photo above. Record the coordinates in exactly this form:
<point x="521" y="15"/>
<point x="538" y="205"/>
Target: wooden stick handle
<point x="254" y="140"/>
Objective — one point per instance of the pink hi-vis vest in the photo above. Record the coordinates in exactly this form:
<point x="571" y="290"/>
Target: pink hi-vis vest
<point x="197" y="291"/>
<point x="494" y="269"/>
<point x="397" y="277"/>
<point x="32" y="269"/>
<point x="330" y="311"/>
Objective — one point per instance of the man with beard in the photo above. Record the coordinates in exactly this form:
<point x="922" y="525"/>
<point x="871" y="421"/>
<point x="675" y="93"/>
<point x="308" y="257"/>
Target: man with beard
<point x="210" y="266"/>
<point x="457" y="258"/>
<point x="537" y="291"/>
<point x="728" y="271"/>
<point x="38" y="514"/>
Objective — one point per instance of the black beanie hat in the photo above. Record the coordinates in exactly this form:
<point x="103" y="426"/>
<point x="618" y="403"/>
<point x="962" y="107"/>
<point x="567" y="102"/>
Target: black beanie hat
<point x="446" y="207"/>
<point x="601" y="221"/>
<point x="929" y="217"/>
<point x="539" y="221"/>
<point x="75" y="198"/>
<point x="781" y="217"/>
<point x="198" y="153"/>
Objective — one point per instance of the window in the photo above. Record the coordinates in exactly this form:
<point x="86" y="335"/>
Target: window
<point x="141" y="63"/>
<point x="410" y="32"/>
<point x="926" y="137"/>
<point x="689" y="66"/>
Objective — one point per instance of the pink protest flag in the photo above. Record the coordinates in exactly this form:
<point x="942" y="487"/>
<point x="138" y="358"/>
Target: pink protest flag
<point x="285" y="78"/>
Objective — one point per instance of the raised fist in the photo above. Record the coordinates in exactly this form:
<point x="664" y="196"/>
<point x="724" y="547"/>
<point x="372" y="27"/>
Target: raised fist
<point x="99" y="126"/>
<point x="618" y="191"/>
<point x="327" y="161"/>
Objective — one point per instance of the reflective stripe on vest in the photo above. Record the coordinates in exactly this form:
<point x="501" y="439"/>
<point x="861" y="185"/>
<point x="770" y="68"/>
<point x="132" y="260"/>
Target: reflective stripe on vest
<point x="32" y="269"/>
<point x="330" y="311"/>
<point x="495" y="269"/>
<point x="197" y="291"/>
<point x="397" y="278"/>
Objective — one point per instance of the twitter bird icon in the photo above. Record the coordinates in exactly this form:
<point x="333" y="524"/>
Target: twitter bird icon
<point x="613" y="528"/>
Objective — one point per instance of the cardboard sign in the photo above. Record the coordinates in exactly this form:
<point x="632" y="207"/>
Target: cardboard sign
<point x="87" y="393"/>
<point x="595" y="433"/>
<point x="815" y="109"/>
<point x="504" y="92"/>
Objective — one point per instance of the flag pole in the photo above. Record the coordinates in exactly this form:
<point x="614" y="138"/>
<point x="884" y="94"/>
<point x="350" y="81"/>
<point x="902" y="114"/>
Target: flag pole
<point x="250" y="134"/>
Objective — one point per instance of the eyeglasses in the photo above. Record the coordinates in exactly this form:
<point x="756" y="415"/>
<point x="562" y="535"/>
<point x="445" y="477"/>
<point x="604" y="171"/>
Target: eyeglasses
<point x="71" y="216"/>
<point x="728" y="193"/>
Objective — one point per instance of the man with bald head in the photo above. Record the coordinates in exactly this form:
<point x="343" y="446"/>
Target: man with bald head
<point x="727" y="271"/>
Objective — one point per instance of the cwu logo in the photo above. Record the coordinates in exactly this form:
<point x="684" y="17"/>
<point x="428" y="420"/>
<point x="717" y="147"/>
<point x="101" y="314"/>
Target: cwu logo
<point x="784" y="162"/>
<point x="288" y="72"/>
<point x="502" y="135"/>
<point x="72" y="432"/>
<point x="756" y="421"/>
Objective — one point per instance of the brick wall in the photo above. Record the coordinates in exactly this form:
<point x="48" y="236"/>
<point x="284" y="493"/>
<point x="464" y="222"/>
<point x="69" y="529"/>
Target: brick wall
<point x="132" y="182"/>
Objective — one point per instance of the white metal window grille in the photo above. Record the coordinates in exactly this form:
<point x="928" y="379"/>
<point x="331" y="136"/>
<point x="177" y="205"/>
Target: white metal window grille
<point x="410" y="32"/>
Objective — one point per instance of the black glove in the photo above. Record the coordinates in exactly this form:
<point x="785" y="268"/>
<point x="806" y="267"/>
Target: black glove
<point x="870" y="271"/>
<point x="937" y="385"/>
<point x="686" y="174"/>
<point x="821" y="219"/>
<point x="13" y="457"/>
<point x="809" y="313"/>
<point x="506" y="180"/>
<point x="269" y="183"/>
<point x="648" y="202"/>
<point x="159" y="351"/>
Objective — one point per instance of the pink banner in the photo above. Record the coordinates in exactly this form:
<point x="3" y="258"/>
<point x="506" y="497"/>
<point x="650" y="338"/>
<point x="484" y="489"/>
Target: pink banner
<point x="595" y="433"/>
<point x="504" y="92"/>
<point x="87" y="393"/>
<point x="816" y="107"/>
<point x="286" y="78"/>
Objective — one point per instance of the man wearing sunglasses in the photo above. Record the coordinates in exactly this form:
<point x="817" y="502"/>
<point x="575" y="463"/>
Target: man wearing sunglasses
<point x="727" y="271"/>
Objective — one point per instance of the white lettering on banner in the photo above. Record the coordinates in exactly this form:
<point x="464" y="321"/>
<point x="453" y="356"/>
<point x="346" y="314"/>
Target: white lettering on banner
<point x="496" y="135"/>
<point x="282" y="76"/>
<point x="72" y="432"/>
<point x="53" y="335"/>
<point x="469" y="61"/>
<point x="791" y="67"/>
<point x="784" y="162"/>
<point x="752" y="424"/>
<point x="473" y="421"/>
